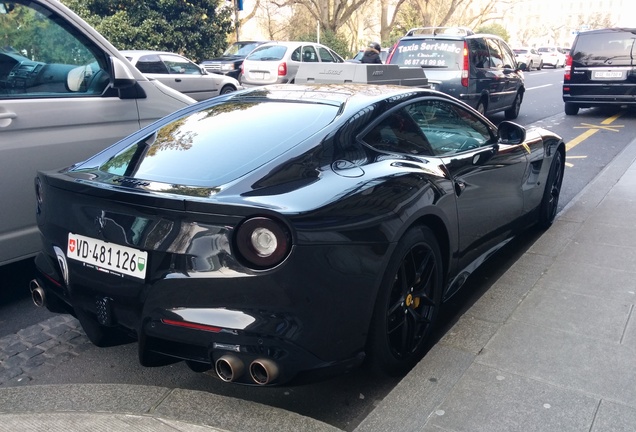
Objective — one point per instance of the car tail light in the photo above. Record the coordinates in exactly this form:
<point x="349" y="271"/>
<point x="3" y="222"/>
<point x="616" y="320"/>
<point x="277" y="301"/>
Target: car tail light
<point x="282" y="69"/>
<point x="262" y="242"/>
<point x="465" y="66"/>
<point x="567" y="73"/>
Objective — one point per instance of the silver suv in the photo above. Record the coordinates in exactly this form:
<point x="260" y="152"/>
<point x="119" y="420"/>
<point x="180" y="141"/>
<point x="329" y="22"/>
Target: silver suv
<point x="65" y="94"/>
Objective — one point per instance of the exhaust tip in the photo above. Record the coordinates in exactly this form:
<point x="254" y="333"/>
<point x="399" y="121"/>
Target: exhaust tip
<point x="37" y="293"/>
<point x="263" y="371"/>
<point x="229" y="367"/>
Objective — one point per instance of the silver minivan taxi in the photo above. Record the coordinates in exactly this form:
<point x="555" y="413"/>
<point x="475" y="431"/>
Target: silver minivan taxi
<point x="278" y="62"/>
<point x="65" y="94"/>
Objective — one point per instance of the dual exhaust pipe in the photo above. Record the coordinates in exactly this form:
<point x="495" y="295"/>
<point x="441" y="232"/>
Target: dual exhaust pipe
<point x="37" y="293"/>
<point x="229" y="368"/>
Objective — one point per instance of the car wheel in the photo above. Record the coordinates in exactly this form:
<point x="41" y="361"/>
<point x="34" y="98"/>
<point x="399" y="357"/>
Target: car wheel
<point x="529" y="68"/>
<point x="550" y="200"/>
<point x="513" y="112"/>
<point x="571" y="109"/>
<point x="227" y="89"/>
<point x="100" y="335"/>
<point x="540" y="66"/>
<point x="407" y="304"/>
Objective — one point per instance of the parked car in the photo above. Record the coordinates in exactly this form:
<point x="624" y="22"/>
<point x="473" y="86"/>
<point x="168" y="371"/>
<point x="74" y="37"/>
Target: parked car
<point x="552" y="56"/>
<point x="271" y="252"/>
<point x="278" y="62"/>
<point x="599" y="70"/>
<point x="181" y="74"/>
<point x="478" y="69"/>
<point x="530" y="56"/>
<point x="58" y="106"/>
<point x="232" y="58"/>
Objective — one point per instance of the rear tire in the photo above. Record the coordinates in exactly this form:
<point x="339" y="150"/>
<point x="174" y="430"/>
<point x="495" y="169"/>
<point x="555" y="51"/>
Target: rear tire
<point x="550" y="200"/>
<point x="513" y="112"/>
<point x="407" y="304"/>
<point x="571" y="109"/>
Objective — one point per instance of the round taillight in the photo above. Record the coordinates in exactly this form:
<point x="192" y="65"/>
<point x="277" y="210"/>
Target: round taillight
<point x="262" y="242"/>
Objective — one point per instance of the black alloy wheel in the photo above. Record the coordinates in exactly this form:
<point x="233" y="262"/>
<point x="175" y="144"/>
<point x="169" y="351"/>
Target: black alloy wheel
<point x="407" y="304"/>
<point x="550" y="201"/>
<point x="513" y="112"/>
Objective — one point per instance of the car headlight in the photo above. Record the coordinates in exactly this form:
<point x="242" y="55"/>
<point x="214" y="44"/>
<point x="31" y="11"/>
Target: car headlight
<point x="262" y="242"/>
<point x="227" y="67"/>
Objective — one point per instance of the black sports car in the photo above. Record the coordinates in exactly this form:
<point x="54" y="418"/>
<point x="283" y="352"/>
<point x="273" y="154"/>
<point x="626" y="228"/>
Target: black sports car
<point x="289" y="230"/>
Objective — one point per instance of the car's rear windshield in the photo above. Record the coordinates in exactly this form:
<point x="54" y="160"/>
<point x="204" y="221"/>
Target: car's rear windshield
<point x="267" y="53"/>
<point x="520" y="51"/>
<point x="615" y="48"/>
<point x="429" y="53"/>
<point x="216" y="145"/>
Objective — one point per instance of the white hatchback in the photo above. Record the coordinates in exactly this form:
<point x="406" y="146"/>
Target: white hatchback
<point x="181" y="74"/>
<point x="278" y="62"/>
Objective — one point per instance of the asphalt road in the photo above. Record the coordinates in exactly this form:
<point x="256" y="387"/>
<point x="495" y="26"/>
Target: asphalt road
<point x="595" y="137"/>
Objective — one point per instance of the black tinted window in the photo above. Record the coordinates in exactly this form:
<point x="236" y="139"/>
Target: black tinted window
<point x="598" y="48"/>
<point x="212" y="147"/>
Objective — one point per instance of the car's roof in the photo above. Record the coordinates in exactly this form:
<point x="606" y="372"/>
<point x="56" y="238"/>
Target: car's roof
<point x="139" y="53"/>
<point x="289" y="43"/>
<point x="353" y="95"/>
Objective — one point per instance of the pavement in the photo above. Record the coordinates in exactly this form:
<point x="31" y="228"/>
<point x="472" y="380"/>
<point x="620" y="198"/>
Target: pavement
<point x="551" y="346"/>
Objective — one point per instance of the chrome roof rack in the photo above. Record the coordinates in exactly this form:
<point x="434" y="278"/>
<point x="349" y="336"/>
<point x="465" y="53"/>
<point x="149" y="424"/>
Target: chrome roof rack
<point x="454" y="31"/>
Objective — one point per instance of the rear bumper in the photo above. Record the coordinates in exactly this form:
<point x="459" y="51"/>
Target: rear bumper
<point x="589" y="101"/>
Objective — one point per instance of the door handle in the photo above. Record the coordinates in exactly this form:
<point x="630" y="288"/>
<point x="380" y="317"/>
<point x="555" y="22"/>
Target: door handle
<point x="460" y="185"/>
<point x="6" y="117"/>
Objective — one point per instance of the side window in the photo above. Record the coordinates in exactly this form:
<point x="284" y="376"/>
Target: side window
<point x="508" y="56"/>
<point x="151" y="64"/>
<point x="496" y="56"/>
<point x="449" y="128"/>
<point x="325" y="55"/>
<point x="398" y="133"/>
<point x="40" y="57"/>
<point x="295" y="55"/>
<point x="309" y="54"/>
<point x="479" y="54"/>
<point x="180" y="65"/>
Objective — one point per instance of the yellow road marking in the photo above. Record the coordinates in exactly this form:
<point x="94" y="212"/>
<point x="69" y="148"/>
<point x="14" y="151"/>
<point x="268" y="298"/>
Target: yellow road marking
<point x="592" y="130"/>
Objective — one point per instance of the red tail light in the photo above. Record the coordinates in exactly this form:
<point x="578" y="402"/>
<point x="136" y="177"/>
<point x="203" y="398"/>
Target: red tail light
<point x="282" y="69"/>
<point x="567" y="73"/>
<point x="465" y="66"/>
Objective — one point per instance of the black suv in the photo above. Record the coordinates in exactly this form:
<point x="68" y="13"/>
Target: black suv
<point x="600" y="70"/>
<point x="231" y="60"/>
<point x="478" y="69"/>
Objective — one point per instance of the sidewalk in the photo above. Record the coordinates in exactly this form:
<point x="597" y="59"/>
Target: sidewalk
<point x="551" y="346"/>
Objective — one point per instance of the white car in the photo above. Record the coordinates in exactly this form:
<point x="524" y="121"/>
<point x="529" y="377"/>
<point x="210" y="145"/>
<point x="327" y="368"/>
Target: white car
<point x="278" y="62"/>
<point x="181" y="74"/>
<point x="552" y="56"/>
<point x="530" y="57"/>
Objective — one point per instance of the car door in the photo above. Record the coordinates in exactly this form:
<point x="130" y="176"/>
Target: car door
<point x="55" y="109"/>
<point x="487" y="174"/>
<point x="185" y="76"/>
<point x="501" y="63"/>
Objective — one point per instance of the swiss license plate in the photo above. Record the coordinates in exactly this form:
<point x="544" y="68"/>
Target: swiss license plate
<point x="608" y="75"/>
<point x="107" y="257"/>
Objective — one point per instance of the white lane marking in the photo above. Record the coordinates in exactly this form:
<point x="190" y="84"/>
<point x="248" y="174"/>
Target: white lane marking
<point x="538" y="87"/>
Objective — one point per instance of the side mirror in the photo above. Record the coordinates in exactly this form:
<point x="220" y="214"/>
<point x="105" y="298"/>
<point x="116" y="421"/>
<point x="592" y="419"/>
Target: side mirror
<point x="510" y="133"/>
<point x="122" y="77"/>
<point x="76" y="78"/>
